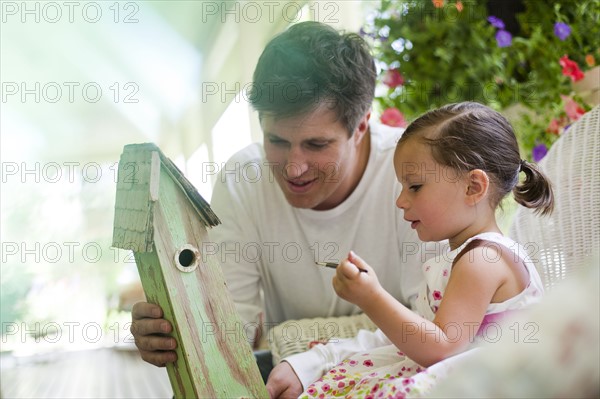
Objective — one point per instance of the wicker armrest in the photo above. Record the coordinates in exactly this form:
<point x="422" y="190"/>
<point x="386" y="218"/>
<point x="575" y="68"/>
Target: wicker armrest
<point x="295" y="336"/>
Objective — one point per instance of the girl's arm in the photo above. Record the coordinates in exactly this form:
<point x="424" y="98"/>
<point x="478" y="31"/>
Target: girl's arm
<point x="472" y="285"/>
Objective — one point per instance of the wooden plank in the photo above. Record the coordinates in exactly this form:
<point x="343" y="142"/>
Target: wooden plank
<point x="97" y="373"/>
<point x="133" y="206"/>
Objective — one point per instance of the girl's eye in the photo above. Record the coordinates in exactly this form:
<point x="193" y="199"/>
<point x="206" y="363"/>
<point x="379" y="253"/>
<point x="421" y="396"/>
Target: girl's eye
<point x="415" y="187"/>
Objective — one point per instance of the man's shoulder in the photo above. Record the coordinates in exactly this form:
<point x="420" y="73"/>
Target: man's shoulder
<point x="383" y="136"/>
<point x="247" y="171"/>
<point x="252" y="153"/>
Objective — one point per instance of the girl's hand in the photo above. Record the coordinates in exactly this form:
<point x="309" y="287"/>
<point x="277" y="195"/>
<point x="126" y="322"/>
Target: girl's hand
<point x="353" y="285"/>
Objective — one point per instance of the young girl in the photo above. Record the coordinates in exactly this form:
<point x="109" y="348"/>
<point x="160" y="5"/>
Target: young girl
<point x="455" y="164"/>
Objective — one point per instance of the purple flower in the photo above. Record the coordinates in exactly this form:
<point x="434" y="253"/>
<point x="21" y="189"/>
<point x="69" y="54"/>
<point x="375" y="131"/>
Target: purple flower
<point x="566" y="127"/>
<point x="503" y="38"/>
<point x="496" y="22"/>
<point x="539" y="152"/>
<point x="362" y="32"/>
<point x="562" y="30"/>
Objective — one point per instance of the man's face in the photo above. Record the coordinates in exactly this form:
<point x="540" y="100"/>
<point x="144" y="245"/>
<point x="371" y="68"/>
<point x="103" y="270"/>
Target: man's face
<point x="312" y="157"/>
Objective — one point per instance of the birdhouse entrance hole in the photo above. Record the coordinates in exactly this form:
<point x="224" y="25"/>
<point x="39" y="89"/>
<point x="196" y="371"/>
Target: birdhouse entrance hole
<point x="186" y="258"/>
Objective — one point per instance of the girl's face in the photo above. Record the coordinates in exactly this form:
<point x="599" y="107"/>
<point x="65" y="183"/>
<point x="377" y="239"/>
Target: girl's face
<point x="433" y="196"/>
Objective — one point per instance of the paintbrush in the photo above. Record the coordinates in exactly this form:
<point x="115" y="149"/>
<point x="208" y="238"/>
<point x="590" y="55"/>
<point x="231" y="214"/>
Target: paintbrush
<point x="335" y="265"/>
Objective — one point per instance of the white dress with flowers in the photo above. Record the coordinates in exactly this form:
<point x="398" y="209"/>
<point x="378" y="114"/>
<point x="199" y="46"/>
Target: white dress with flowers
<point x="386" y="372"/>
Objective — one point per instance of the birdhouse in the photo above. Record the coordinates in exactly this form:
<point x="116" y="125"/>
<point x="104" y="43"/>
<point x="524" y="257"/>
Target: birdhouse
<point x="160" y="216"/>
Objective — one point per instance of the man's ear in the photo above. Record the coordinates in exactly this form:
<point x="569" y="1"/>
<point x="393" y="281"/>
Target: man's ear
<point x="478" y="184"/>
<point x="362" y="128"/>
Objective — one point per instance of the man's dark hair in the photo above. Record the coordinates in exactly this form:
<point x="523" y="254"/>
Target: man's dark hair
<point x="310" y="64"/>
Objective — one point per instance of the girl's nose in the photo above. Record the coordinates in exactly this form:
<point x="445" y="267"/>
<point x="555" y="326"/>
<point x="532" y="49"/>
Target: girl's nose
<point x="401" y="201"/>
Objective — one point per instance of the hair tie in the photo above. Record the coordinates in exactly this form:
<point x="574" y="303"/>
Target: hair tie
<point x="522" y="164"/>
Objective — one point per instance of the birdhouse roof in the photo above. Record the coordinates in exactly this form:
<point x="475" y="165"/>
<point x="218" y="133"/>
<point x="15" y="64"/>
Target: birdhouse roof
<point x="138" y="190"/>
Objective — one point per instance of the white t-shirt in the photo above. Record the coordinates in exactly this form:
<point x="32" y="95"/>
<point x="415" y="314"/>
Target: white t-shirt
<point x="267" y="248"/>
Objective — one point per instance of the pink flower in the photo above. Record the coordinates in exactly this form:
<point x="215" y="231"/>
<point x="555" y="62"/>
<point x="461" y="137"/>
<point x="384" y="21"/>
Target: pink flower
<point x="326" y="388"/>
<point x="437" y="295"/>
<point x="311" y="391"/>
<point x="573" y="110"/>
<point x="393" y="78"/>
<point x="459" y="6"/>
<point x="352" y="362"/>
<point x="393" y="117"/>
<point x="438" y="3"/>
<point x="570" y="68"/>
<point x="368" y="363"/>
<point x="341" y="384"/>
<point x="556" y="124"/>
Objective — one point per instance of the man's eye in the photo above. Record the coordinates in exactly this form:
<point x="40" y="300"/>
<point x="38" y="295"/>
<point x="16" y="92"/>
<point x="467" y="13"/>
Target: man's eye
<point x="317" y="145"/>
<point x="276" y="141"/>
<point x="415" y="187"/>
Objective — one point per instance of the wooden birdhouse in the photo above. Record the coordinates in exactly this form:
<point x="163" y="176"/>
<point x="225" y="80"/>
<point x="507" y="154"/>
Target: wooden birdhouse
<point x="161" y="217"/>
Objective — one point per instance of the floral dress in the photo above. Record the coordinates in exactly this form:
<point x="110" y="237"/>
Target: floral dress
<point x="386" y="372"/>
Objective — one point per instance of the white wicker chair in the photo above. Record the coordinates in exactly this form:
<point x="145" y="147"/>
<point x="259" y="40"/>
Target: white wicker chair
<point x="294" y="336"/>
<point x="565" y="241"/>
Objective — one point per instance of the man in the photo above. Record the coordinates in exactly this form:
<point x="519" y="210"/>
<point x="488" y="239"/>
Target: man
<point x="322" y="184"/>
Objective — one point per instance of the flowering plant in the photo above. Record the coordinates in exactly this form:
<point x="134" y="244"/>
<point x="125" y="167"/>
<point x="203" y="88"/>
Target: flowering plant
<point x="560" y="43"/>
<point x="432" y="52"/>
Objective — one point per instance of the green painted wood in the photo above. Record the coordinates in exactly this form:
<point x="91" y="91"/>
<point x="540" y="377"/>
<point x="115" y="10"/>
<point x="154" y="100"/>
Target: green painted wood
<point x="132" y="227"/>
<point x="214" y="357"/>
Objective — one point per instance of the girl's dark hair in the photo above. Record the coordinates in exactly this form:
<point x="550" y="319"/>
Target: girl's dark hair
<point x="468" y="136"/>
<point x="310" y="64"/>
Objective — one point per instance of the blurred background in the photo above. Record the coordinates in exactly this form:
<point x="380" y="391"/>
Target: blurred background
<point x="79" y="81"/>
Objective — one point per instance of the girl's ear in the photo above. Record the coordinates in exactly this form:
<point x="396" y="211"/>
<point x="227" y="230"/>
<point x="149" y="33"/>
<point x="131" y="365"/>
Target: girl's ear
<point x="477" y="187"/>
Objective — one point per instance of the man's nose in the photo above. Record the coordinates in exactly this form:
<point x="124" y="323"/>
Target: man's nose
<point x="297" y="163"/>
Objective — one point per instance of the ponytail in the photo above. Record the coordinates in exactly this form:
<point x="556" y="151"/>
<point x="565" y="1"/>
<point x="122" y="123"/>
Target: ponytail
<point x="535" y="191"/>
